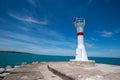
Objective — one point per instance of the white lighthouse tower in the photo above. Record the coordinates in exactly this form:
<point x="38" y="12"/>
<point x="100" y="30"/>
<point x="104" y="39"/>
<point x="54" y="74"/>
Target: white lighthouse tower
<point x="81" y="54"/>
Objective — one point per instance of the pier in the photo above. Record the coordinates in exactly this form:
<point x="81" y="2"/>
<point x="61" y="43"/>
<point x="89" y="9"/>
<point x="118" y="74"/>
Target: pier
<point x="63" y="71"/>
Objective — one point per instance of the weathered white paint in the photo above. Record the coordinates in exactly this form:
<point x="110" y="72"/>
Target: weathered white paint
<point x="81" y="54"/>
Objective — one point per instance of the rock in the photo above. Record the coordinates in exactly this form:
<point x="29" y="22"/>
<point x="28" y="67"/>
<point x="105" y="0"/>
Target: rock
<point x="35" y="62"/>
<point x="1" y="78"/>
<point x="43" y="62"/>
<point x="24" y="63"/>
<point x="3" y="75"/>
<point x="16" y="66"/>
<point x="2" y="70"/>
<point x="9" y="68"/>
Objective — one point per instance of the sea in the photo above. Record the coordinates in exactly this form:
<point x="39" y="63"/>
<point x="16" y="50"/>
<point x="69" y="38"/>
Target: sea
<point x="12" y="59"/>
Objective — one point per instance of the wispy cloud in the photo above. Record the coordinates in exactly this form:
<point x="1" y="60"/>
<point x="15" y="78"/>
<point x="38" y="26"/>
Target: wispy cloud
<point x="114" y="50"/>
<point x="50" y="33"/>
<point x="11" y="44"/>
<point x="106" y="34"/>
<point x="32" y="2"/>
<point x="90" y="1"/>
<point x="89" y="45"/>
<point x="114" y="34"/>
<point x="29" y="19"/>
<point x="93" y="39"/>
<point x="33" y="44"/>
<point x="24" y="28"/>
<point x="117" y="31"/>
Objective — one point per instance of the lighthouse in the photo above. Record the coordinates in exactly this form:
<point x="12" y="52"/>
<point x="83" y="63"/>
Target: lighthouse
<point x="81" y="54"/>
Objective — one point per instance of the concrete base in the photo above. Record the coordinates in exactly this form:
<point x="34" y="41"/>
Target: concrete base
<point x="82" y="63"/>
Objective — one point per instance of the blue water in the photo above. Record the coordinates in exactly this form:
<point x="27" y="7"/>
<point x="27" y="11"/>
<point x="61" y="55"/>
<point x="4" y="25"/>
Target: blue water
<point x="13" y="59"/>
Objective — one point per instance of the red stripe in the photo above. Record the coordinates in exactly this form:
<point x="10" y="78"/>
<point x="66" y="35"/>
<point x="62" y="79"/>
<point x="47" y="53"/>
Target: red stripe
<point x="80" y="33"/>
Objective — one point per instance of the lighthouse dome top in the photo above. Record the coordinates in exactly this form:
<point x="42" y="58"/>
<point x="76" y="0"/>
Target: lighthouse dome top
<point x="79" y="22"/>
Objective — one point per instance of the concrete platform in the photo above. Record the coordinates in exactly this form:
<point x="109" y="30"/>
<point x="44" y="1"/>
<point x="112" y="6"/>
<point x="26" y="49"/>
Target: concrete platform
<point x="64" y="71"/>
<point x="97" y="72"/>
<point x="32" y="72"/>
<point x="82" y="63"/>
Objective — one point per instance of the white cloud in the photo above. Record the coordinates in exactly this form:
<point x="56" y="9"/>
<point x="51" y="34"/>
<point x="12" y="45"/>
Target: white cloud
<point x="29" y="19"/>
<point x="106" y="34"/>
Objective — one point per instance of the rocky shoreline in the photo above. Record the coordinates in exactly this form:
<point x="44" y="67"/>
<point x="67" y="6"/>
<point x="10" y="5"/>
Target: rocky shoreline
<point x="60" y="71"/>
<point x="6" y="71"/>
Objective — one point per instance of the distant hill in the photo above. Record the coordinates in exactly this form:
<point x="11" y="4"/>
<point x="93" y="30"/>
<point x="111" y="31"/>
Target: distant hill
<point x="14" y="52"/>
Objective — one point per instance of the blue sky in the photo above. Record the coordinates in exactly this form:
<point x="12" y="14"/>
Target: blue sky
<point x="45" y="26"/>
